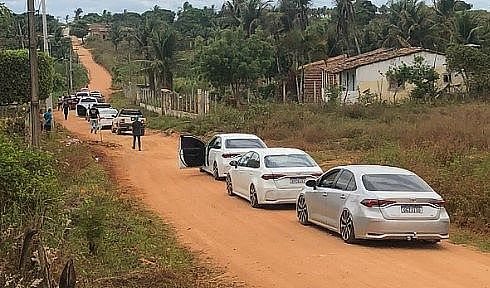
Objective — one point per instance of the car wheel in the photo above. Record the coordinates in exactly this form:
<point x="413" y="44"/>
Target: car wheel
<point x="229" y="185"/>
<point x="254" y="200"/>
<point x="302" y="210"/>
<point x="113" y="130"/>
<point x="216" y="171"/>
<point x="347" y="227"/>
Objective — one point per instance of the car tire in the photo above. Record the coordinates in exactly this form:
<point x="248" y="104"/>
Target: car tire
<point x="347" y="227"/>
<point x="113" y="130"/>
<point x="229" y="186"/>
<point x="302" y="210"/>
<point x="254" y="200"/>
<point x="216" y="172"/>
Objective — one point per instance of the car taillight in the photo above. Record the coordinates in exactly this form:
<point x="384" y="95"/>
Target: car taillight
<point x="439" y="203"/>
<point x="230" y="155"/>
<point x="272" y="176"/>
<point x="376" y="202"/>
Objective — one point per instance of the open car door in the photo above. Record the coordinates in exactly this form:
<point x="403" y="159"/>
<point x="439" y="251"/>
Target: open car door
<point x="192" y="152"/>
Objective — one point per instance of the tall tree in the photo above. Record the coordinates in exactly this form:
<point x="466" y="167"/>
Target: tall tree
<point x="78" y="12"/>
<point x="346" y="23"/>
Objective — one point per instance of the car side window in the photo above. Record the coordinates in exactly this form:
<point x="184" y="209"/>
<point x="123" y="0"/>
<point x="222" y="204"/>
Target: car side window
<point x="254" y="161"/>
<point x="328" y="179"/>
<point x="244" y="159"/>
<point x="352" y="184"/>
<point x="217" y="144"/>
<point x="211" y="143"/>
<point x="343" y="180"/>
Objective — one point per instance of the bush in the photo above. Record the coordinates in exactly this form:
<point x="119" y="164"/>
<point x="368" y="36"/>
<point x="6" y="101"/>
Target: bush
<point x="15" y="84"/>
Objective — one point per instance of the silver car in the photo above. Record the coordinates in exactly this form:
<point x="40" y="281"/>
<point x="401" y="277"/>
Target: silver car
<point x="374" y="202"/>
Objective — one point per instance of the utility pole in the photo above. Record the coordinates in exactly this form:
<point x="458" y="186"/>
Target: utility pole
<point x="45" y="27"/>
<point x="71" y="68"/>
<point x="34" y="75"/>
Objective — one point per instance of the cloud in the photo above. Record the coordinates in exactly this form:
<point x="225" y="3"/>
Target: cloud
<point x="66" y="7"/>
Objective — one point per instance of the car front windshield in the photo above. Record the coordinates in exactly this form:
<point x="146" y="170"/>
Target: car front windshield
<point x="395" y="183"/>
<point x="288" y="161"/>
<point x="243" y="143"/>
<point x="131" y="113"/>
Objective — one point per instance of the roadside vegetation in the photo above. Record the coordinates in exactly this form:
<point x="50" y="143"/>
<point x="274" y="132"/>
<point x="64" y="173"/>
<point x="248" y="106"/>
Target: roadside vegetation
<point x="64" y="195"/>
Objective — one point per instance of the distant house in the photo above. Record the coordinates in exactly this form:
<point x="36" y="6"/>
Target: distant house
<point x="99" y="30"/>
<point x="366" y="73"/>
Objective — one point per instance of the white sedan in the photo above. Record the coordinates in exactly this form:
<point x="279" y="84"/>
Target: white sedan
<point x="271" y="176"/>
<point x="215" y="157"/>
<point x="374" y="202"/>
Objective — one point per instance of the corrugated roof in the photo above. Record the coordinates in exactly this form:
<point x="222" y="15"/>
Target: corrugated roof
<point x="374" y="56"/>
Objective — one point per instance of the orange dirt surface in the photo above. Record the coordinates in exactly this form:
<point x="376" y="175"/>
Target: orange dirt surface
<point x="268" y="247"/>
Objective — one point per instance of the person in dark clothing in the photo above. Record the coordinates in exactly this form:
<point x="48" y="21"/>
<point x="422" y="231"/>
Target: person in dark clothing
<point x="48" y="119"/>
<point x="66" y="108"/>
<point x="137" y="129"/>
<point x="60" y="103"/>
<point x="94" y="115"/>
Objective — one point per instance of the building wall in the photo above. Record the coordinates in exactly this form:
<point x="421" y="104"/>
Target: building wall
<point x="371" y="78"/>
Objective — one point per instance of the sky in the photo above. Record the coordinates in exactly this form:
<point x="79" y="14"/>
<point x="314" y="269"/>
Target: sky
<point x="60" y="8"/>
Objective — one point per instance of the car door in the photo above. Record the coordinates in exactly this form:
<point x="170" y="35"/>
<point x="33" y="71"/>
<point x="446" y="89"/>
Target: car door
<point x="251" y="172"/>
<point x="316" y="199"/>
<point x="214" y="152"/>
<point x="337" y="195"/>
<point x="191" y="152"/>
<point x="240" y="174"/>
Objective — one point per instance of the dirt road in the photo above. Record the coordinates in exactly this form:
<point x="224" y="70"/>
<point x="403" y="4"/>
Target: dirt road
<point x="269" y="248"/>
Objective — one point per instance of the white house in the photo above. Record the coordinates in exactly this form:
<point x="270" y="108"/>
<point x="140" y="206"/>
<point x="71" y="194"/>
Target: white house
<point x="366" y="73"/>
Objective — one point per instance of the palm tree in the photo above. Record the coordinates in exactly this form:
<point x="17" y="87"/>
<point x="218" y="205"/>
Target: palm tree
<point x="245" y="13"/>
<point x="346" y="22"/>
<point x="4" y="14"/>
<point x="78" y="12"/>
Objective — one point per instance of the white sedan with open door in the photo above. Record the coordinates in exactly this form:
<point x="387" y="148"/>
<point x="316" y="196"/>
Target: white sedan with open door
<point x="215" y="156"/>
<point x="374" y="202"/>
<point x="271" y="176"/>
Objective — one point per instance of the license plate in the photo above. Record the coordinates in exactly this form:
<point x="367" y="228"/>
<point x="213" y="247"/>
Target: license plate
<point x="297" y="180"/>
<point x="412" y="209"/>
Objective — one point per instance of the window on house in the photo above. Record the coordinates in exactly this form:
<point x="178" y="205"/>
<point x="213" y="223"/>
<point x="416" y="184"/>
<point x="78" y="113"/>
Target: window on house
<point x="446" y="78"/>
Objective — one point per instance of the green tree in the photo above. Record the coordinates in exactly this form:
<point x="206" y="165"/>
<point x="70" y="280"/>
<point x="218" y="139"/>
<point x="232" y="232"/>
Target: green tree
<point x="420" y="74"/>
<point x="346" y="22"/>
<point x="234" y="61"/>
<point x="78" y="12"/>
<point x="474" y="65"/>
<point x="79" y="29"/>
<point x="15" y="84"/>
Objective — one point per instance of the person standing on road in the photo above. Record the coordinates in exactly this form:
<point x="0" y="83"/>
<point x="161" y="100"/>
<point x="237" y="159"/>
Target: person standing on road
<point x="48" y="119"/>
<point x="66" y="108"/>
<point x="137" y="129"/>
<point x="93" y="114"/>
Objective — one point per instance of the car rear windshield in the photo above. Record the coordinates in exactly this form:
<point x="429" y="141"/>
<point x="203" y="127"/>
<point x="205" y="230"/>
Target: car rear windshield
<point x="394" y="183"/>
<point x="131" y="112"/>
<point x="102" y="105"/>
<point x="88" y="100"/>
<point x="289" y="160"/>
<point x="244" y="143"/>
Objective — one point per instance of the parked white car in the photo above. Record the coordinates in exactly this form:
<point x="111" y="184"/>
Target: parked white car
<point x="84" y="104"/>
<point x="271" y="176"/>
<point x="215" y="156"/>
<point x="107" y="115"/>
<point x="374" y="202"/>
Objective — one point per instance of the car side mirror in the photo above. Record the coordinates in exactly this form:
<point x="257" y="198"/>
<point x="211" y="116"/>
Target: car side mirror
<point x="311" y="183"/>
<point x="234" y="163"/>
